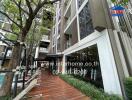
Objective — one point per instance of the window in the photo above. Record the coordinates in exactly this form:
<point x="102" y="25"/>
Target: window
<point x="68" y="40"/>
<point x="86" y="61"/>
<point x="59" y="15"/>
<point x="58" y="45"/>
<point x="80" y="2"/>
<point x="53" y="39"/>
<point x="54" y="49"/>
<point x="59" y="27"/>
<point x="85" y="22"/>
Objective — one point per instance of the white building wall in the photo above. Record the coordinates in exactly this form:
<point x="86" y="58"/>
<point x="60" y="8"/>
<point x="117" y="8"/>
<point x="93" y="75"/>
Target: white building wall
<point x="108" y="68"/>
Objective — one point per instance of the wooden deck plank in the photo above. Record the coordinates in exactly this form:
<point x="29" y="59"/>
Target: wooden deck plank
<point x="53" y="88"/>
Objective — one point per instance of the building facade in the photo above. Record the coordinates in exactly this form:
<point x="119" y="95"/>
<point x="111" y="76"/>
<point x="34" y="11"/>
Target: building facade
<point x="4" y="25"/>
<point x="42" y="50"/>
<point x="91" y="40"/>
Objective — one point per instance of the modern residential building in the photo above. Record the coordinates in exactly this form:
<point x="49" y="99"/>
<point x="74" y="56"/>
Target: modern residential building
<point x="42" y="50"/>
<point x="86" y="37"/>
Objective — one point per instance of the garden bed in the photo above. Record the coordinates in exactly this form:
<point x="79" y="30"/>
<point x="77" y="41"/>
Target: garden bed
<point x="88" y="89"/>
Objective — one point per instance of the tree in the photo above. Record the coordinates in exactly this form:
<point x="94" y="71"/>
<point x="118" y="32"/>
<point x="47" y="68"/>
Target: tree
<point x="21" y="14"/>
<point x="122" y="3"/>
<point x="39" y="29"/>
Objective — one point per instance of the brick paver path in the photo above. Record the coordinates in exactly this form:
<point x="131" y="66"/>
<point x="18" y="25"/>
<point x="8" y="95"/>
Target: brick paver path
<point x="51" y="87"/>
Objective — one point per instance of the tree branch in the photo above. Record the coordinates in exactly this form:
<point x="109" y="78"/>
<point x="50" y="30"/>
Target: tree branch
<point x="34" y="2"/>
<point x="11" y="19"/>
<point x="29" y="7"/>
<point x="41" y="4"/>
<point x="20" y="13"/>
<point x="9" y="31"/>
<point x="51" y="2"/>
<point x="5" y="39"/>
<point x="19" y="6"/>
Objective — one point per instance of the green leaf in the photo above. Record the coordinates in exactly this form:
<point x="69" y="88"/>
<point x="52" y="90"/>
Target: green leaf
<point x="11" y="36"/>
<point x="113" y="1"/>
<point x="125" y="1"/>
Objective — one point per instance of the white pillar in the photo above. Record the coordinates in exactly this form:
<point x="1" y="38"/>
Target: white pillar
<point x="63" y="64"/>
<point x="36" y="55"/>
<point x="108" y="66"/>
<point x="37" y="52"/>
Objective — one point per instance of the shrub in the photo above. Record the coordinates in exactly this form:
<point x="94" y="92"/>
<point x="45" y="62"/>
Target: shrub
<point x="88" y="89"/>
<point x="128" y="87"/>
<point x="5" y="98"/>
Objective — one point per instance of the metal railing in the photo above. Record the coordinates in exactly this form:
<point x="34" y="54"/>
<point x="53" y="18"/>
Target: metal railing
<point x="19" y="77"/>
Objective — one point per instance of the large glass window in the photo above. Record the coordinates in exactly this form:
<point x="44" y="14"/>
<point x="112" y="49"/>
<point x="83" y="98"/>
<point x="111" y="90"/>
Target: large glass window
<point x="80" y="2"/>
<point x="125" y="23"/>
<point x="85" y="65"/>
<point x="85" y="22"/>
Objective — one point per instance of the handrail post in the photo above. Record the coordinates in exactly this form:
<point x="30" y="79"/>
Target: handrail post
<point x="23" y="82"/>
<point x="15" y="85"/>
<point x="31" y="70"/>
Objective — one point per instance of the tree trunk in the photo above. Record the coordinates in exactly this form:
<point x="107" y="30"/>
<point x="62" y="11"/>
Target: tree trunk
<point x="14" y="62"/>
<point x="5" y="90"/>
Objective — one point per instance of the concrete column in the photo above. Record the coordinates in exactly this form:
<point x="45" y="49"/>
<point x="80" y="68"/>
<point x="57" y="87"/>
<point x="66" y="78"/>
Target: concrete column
<point x="63" y="64"/>
<point x="109" y="71"/>
<point x="36" y="55"/>
<point x="37" y="52"/>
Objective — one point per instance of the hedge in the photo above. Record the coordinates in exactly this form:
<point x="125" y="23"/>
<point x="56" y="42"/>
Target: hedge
<point x="88" y="89"/>
<point x="128" y="87"/>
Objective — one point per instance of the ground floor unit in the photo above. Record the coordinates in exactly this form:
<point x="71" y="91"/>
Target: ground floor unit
<point x="97" y="59"/>
<point x="93" y="59"/>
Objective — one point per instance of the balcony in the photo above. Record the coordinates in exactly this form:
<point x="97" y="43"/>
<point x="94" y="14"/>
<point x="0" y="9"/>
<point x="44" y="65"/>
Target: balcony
<point x="43" y="50"/>
<point x="45" y="38"/>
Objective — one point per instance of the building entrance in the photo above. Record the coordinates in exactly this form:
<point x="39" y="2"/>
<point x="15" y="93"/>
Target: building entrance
<point x="84" y="64"/>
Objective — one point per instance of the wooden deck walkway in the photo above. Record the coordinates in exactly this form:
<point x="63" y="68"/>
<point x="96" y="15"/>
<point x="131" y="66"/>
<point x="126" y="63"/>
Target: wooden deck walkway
<point x="51" y="87"/>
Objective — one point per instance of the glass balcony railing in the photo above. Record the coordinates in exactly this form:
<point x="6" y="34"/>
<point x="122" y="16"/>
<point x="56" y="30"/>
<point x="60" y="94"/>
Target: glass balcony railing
<point x="45" y="38"/>
<point x="43" y="50"/>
